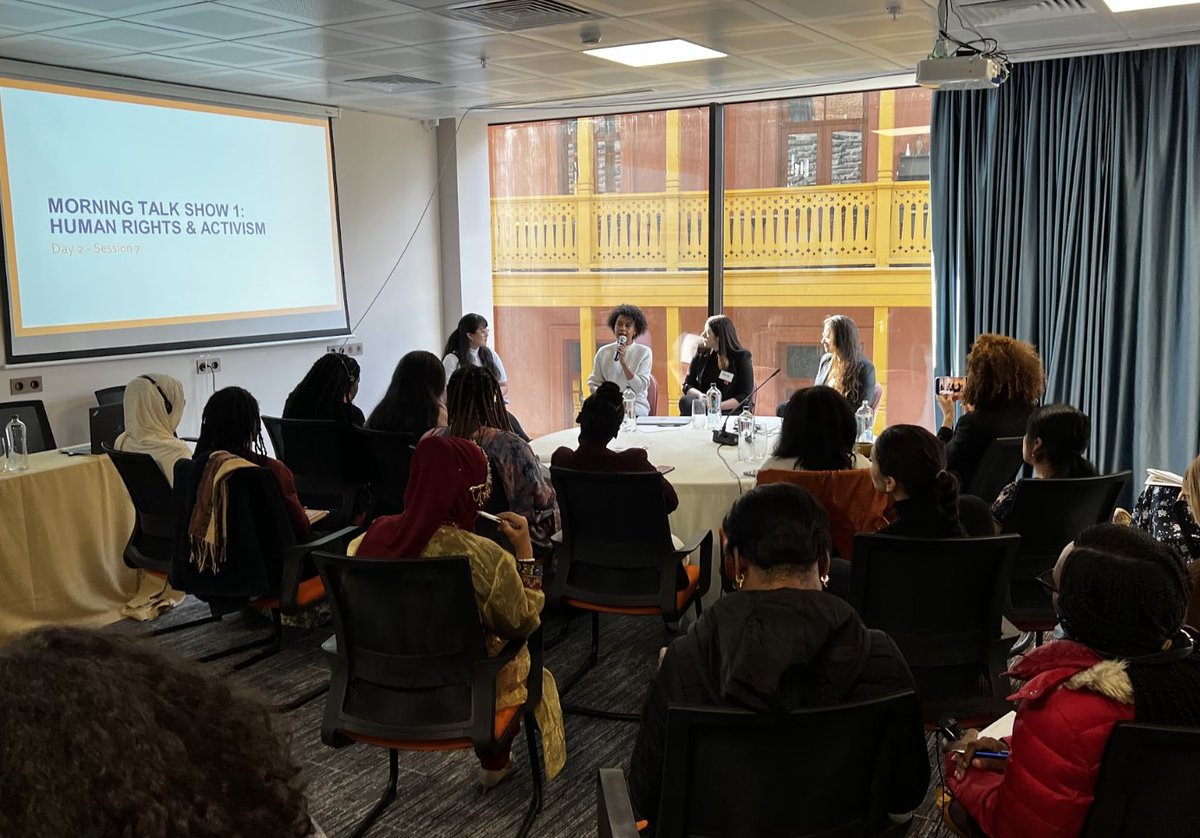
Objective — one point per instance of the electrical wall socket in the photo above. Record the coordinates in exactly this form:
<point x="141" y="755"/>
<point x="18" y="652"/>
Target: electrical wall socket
<point x="345" y="348"/>
<point x="31" y="386"/>
<point x="207" y="365"/>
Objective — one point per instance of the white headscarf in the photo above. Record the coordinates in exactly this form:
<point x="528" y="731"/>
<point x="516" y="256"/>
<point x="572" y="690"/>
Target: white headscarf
<point x="149" y="428"/>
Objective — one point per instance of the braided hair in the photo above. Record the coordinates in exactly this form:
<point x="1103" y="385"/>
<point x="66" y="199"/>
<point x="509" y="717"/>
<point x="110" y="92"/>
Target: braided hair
<point x="916" y="460"/>
<point x="459" y="344"/>
<point x="1125" y="595"/>
<point x="324" y="390"/>
<point x="1065" y="433"/>
<point x="231" y="422"/>
<point x="601" y="414"/>
<point x="474" y="401"/>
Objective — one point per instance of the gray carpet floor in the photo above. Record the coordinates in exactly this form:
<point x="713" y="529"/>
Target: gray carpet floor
<point x="439" y="793"/>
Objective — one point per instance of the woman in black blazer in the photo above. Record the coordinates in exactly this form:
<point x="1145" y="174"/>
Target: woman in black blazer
<point x="720" y="360"/>
<point x="1005" y="379"/>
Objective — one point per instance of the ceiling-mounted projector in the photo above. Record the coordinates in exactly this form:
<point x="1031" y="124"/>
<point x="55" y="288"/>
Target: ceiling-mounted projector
<point x="961" y="72"/>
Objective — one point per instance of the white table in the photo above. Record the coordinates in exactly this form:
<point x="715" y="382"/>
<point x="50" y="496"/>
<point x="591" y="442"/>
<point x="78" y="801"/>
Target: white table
<point x="706" y="478"/>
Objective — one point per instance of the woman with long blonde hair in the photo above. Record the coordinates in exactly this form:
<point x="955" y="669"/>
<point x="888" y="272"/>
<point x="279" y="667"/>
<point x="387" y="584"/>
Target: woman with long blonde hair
<point x="843" y="366"/>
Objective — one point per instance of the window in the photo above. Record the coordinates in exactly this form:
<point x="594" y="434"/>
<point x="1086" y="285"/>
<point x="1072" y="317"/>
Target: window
<point x="826" y="211"/>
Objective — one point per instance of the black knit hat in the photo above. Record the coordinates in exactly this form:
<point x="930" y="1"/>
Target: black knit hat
<point x="1121" y="592"/>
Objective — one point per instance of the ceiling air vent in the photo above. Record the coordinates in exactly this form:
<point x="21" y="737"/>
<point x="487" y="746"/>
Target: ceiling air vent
<point x="1000" y="12"/>
<point x="395" y="82"/>
<point x="513" y="15"/>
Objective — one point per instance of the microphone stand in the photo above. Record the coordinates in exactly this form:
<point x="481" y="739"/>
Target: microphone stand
<point x="724" y="437"/>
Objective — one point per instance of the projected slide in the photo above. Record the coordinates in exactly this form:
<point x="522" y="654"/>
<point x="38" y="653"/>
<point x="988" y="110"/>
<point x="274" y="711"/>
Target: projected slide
<point x="133" y="222"/>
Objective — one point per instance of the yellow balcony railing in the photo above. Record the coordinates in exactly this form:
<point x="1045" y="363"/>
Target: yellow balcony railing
<point x="867" y="225"/>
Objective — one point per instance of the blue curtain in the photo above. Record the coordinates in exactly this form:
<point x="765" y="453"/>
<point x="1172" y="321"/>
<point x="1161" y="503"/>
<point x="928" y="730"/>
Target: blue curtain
<point x="1066" y="212"/>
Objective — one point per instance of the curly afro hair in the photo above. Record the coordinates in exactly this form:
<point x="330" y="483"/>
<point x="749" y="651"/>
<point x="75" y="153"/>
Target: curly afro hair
<point x="633" y="313"/>
<point x="109" y="735"/>
<point x="1001" y="369"/>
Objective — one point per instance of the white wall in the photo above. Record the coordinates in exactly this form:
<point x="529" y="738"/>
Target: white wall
<point x="386" y="172"/>
<point x="466" y="220"/>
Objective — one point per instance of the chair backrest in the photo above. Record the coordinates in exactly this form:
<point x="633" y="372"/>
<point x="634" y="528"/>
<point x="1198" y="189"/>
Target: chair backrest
<point x="39" y="436"/>
<point x="326" y="459"/>
<point x="632" y="564"/>
<point x="876" y="396"/>
<point x="1048" y="514"/>
<point x="259" y="537"/>
<point x="851" y="499"/>
<point x="997" y="468"/>
<point x="1147" y="785"/>
<point x="154" y="530"/>
<point x="409" y="649"/>
<point x="111" y="395"/>
<point x="941" y="600"/>
<point x="816" y="771"/>
<point x="390" y="457"/>
<point x="652" y="395"/>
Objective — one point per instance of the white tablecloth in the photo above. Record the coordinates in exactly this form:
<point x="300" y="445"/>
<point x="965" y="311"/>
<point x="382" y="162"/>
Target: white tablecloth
<point x="707" y="479"/>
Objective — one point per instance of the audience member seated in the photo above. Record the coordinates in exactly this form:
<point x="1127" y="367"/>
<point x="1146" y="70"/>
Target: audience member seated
<point x="327" y="391"/>
<point x="843" y="367"/>
<point x="817" y="434"/>
<point x="1121" y="597"/>
<point x="721" y="360"/>
<point x="415" y="400"/>
<point x="467" y="346"/>
<point x="599" y="423"/>
<point x="909" y="463"/>
<point x="1171" y="515"/>
<point x="476" y="411"/>
<point x="449" y="483"/>
<point x="107" y="734"/>
<point x="1055" y="438"/>
<point x="231" y="438"/>
<point x="624" y="362"/>
<point x="1004" y="381"/>
<point x="153" y="411"/>
<point x="777" y="644"/>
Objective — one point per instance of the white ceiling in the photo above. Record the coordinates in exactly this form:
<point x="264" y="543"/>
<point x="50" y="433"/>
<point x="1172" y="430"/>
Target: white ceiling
<point x="307" y="50"/>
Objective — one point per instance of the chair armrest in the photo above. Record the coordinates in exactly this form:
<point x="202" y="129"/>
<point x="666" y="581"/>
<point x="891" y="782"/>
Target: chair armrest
<point x="190" y="438"/>
<point x="533" y="683"/>
<point x="703" y="542"/>
<point x="294" y="557"/>
<point x="348" y="533"/>
<point x="693" y="544"/>
<point x="614" y="810"/>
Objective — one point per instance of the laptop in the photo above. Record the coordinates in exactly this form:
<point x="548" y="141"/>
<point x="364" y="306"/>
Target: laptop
<point x="105" y="423"/>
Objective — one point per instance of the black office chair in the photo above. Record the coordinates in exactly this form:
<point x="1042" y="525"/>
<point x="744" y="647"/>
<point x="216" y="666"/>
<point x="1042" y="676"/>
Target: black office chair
<point x="110" y="395"/>
<point x="327" y="462"/>
<point x="155" y="527"/>
<point x="1000" y="464"/>
<point x="264" y="567"/>
<point x="38" y="435"/>
<point x="1048" y="514"/>
<point x="1147" y="785"/>
<point x="633" y="568"/>
<point x="941" y="601"/>
<point x="821" y="771"/>
<point x="411" y="671"/>
<point x="389" y="457"/>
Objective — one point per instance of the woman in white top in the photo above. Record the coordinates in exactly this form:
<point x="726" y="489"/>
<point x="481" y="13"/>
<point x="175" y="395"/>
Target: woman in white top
<point x="153" y="410"/>
<point x="623" y="362"/>
<point x="468" y="345"/>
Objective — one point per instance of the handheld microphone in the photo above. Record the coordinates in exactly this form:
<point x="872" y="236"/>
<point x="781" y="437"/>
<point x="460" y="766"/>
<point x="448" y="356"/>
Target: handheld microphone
<point x="621" y="341"/>
<point x="724" y="437"/>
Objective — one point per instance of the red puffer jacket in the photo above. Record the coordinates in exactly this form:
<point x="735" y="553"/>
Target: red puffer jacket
<point x="1069" y="704"/>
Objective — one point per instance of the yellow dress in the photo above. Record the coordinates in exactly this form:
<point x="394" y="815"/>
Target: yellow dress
<point x="508" y="611"/>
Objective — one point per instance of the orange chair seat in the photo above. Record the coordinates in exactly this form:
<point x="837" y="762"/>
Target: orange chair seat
<point x="503" y="723"/>
<point x="311" y="592"/>
<point x="682" y="598"/>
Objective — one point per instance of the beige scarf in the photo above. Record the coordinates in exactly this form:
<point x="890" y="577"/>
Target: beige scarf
<point x="208" y="525"/>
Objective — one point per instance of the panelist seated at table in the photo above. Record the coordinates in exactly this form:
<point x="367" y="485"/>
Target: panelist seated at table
<point x="623" y="362"/>
<point x="843" y="367"/>
<point x="231" y="437"/>
<point x="817" y="433"/>
<point x="721" y="360"/>
<point x="599" y="422"/>
<point x="153" y="406"/>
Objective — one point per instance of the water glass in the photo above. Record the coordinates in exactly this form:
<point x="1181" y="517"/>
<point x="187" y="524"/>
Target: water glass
<point x="699" y="413"/>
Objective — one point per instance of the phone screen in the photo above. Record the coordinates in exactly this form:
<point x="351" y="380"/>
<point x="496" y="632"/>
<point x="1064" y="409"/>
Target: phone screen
<point x="949" y="385"/>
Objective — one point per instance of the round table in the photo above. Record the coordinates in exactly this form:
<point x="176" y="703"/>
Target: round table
<point x="707" y="478"/>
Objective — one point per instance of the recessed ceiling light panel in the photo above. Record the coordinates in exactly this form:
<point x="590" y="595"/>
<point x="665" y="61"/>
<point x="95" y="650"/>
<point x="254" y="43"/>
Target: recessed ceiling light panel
<point x="653" y="53"/>
<point x="1141" y="5"/>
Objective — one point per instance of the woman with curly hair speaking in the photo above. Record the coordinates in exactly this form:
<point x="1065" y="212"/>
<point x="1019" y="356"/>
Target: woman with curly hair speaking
<point x="1004" y="382"/>
<point x="623" y="362"/>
